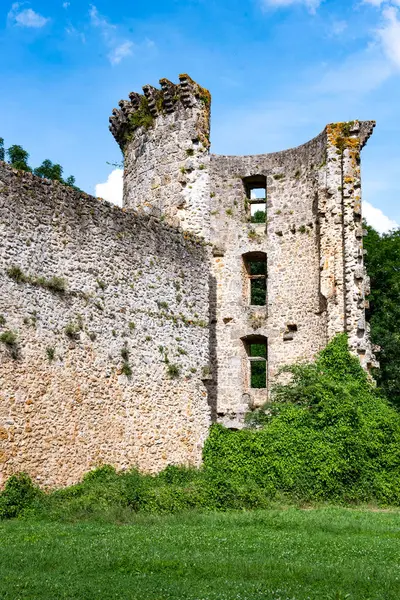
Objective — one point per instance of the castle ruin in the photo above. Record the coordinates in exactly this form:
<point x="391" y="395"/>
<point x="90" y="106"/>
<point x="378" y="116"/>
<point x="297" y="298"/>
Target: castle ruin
<point x="127" y="332"/>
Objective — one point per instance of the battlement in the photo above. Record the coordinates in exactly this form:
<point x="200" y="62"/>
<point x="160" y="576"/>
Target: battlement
<point x="142" y="109"/>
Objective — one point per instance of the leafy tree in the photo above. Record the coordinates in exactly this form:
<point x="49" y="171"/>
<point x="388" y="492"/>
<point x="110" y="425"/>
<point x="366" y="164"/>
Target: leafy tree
<point x="18" y="158"/>
<point x="71" y="181"/>
<point x="49" y="170"/>
<point x="258" y="217"/>
<point x="383" y="267"/>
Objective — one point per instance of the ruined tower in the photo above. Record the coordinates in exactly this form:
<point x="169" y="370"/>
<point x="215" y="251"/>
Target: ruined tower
<point x="285" y="231"/>
<point x="164" y="135"/>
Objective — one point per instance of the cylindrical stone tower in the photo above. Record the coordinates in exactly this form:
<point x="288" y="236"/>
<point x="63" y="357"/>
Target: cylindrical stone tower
<point x="164" y="136"/>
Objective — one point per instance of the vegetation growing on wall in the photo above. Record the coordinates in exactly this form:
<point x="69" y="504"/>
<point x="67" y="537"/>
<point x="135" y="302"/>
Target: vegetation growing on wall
<point x="54" y="284"/>
<point x="142" y="116"/>
<point x="328" y="435"/>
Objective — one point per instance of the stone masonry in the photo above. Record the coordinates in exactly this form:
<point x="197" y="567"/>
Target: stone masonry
<point x="311" y="239"/>
<point x="125" y="333"/>
<point x="109" y="370"/>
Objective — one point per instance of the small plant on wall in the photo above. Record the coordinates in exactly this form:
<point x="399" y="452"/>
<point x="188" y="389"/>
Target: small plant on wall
<point x="51" y="354"/>
<point x="173" y="371"/>
<point x="9" y="339"/>
<point x="126" y="368"/>
<point x="72" y="331"/>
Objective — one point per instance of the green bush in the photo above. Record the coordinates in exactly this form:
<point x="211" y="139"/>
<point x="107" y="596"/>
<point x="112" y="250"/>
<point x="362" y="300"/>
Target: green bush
<point x="19" y="494"/>
<point x="9" y="338"/>
<point x="328" y="435"/>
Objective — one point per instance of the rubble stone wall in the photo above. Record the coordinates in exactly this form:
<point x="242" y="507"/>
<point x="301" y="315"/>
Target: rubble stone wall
<point x="109" y="370"/>
<point x="312" y="240"/>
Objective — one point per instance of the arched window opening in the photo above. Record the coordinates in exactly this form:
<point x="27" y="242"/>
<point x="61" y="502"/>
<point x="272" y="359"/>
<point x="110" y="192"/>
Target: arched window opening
<point x="256" y="197"/>
<point x="257" y="354"/>
<point x="255" y="264"/>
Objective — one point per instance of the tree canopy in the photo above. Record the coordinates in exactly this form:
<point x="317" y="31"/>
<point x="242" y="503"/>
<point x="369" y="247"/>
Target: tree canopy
<point x="18" y="157"/>
<point x="383" y="267"/>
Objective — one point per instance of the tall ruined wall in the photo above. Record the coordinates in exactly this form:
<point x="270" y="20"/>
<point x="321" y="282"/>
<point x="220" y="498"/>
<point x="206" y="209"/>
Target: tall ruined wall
<point x="344" y="281"/>
<point x="312" y="240"/>
<point x="164" y="136"/>
<point x="90" y="377"/>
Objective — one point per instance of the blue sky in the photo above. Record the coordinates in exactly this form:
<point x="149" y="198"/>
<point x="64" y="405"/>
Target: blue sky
<point x="278" y="71"/>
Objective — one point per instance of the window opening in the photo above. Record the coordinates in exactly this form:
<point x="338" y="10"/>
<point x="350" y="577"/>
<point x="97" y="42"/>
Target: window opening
<point x="256" y="348"/>
<point x="256" y="268"/>
<point x="256" y="197"/>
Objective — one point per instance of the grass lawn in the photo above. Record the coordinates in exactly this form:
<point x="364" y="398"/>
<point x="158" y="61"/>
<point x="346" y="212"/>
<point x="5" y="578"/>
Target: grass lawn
<point x="274" y="555"/>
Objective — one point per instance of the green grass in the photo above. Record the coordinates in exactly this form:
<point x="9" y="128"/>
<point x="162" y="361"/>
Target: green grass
<point x="330" y="553"/>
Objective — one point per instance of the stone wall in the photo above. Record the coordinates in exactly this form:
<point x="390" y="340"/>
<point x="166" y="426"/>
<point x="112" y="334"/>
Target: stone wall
<point x="312" y="240"/>
<point x="89" y="378"/>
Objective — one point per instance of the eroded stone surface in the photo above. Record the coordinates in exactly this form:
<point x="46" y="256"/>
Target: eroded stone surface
<point x="131" y="282"/>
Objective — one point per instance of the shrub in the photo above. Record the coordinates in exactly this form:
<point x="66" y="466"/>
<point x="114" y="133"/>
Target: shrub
<point x="142" y="116"/>
<point x="126" y="369"/>
<point x="327" y="436"/>
<point x="16" y="274"/>
<point x="125" y="353"/>
<point x="19" y="493"/>
<point x="72" y="331"/>
<point x="55" y="284"/>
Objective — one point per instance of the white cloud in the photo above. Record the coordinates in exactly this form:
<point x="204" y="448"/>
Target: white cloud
<point x="71" y="30"/>
<point x="26" y="17"/>
<point x="98" y="20"/>
<point x="367" y="69"/>
<point x="112" y="189"/>
<point x="119" y="49"/>
<point x="311" y="5"/>
<point x="377" y="219"/>
<point x="120" y="52"/>
<point x="359" y="73"/>
<point x="66" y="4"/>
<point x="389" y="35"/>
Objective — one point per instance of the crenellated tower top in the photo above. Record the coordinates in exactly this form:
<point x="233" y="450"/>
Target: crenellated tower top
<point x="141" y="110"/>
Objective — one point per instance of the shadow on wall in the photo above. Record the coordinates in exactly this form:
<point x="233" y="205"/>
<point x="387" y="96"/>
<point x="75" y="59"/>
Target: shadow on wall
<point x="211" y="382"/>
